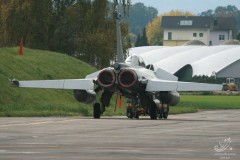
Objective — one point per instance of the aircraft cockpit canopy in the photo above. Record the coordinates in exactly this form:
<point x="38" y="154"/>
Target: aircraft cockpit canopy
<point x="135" y="60"/>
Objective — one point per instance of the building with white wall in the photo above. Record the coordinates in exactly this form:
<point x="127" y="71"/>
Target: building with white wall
<point x="177" y="30"/>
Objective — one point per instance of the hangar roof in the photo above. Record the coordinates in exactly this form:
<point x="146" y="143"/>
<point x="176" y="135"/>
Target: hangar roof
<point x="204" y="60"/>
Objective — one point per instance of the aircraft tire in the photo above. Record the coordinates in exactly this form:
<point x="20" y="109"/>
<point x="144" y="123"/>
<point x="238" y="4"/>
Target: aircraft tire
<point x="153" y="111"/>
<point x="130" y="113"/>
<point x="160" y="116"/>
<point x="165" y="113"/>
<point x="96" y="110"/>
<point x="137" y="115"/>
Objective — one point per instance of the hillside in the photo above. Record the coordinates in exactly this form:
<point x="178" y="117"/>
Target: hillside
<point x="36" y="64"/>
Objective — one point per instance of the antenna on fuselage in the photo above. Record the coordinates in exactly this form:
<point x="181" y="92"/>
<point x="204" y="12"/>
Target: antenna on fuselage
<point x="120" y="55"/>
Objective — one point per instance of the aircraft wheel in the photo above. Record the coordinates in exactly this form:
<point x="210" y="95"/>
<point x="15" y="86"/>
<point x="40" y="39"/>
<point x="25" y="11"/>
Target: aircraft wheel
<point x="153" y="111"/>
<point x="160" y="115"/>
<point x="165" y="113"/>
<point x="160" y="112"/>
<point x="96" y="110"/>
<point x="137" y="115"/>
<point x="130" y="113"/>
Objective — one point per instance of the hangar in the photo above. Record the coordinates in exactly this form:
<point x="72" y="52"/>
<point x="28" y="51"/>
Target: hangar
<point x="192" y="59"/>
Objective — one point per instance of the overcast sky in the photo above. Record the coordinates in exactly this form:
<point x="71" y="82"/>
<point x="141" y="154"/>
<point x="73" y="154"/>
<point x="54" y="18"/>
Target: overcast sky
<point x="195" y="6"/>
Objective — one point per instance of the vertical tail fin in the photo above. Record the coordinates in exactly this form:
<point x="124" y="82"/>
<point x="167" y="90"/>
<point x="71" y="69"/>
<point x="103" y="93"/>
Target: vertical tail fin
<point x="120" y="55"/>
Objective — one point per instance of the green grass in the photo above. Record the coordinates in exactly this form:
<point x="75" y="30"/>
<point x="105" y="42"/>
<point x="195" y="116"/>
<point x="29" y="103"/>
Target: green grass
<point x="193" y="103"/>
<point x="36" y="64"/>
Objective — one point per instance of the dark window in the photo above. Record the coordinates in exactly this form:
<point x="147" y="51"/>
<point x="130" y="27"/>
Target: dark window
<point x="210" y="43"/>
<point x="200" y="34"/>
<point x="221" y="37"/>
<point x="194" y="34"/>
<point x="169" y="35"/>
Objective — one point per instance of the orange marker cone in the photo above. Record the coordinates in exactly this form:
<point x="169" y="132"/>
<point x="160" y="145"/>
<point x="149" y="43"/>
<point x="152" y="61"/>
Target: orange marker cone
<point x="120" y="102"/>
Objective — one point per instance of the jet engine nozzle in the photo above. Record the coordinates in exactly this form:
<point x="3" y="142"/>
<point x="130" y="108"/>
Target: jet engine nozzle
<point x="127" y="78"/>
<point x="106" y="78"/>
<point x="84" y="96"/>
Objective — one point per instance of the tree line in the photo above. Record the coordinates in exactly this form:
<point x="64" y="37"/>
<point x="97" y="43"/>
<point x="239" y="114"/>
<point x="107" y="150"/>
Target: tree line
<point x="81" y="28"/>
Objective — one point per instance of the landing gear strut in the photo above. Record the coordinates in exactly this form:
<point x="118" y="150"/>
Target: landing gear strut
<point x="163" y="111"/>
<point x="153" y="111"/>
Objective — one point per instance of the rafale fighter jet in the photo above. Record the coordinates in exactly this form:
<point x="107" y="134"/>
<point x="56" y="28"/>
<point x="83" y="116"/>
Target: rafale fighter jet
<point x="146" y="90"/>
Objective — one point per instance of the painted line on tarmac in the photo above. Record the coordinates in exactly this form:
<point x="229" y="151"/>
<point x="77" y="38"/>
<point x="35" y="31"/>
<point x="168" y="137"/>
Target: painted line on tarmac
<point x="37" y="123"/>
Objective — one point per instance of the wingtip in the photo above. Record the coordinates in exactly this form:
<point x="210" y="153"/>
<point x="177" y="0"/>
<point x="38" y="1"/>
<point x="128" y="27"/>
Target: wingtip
<point x="15" y="82"/>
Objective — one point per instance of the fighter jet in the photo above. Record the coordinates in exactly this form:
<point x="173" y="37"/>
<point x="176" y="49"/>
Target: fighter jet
<point x="148" y="92"/>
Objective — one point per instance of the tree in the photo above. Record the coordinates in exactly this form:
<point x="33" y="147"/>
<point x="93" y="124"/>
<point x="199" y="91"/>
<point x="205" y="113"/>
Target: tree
<point x="154" y="31"/>
<point x="142" y="39"/>
<point x="139" y="17"/>
<point x="2" y="12"/>
<point x="207" y="13"/>
<point x="204" y="79"/>
<point x="80" y="28"/>
<point x="61" y="26"/>
<point x="238" y="36"/>
<point x="221" y="11"/>
<point x="228" y="11"/>
<point x="28" y="19"/>
<point x="93" y="35"/>
<point x="40" y="15"/>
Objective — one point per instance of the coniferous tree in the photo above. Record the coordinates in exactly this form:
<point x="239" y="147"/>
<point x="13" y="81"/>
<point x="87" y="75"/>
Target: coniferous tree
<point x="142" y="39"/>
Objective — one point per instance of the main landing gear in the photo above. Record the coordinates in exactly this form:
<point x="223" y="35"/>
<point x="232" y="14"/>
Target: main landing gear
<point x="159" y="111"/>
<point x="99" y="108"/>
<point x="135" y="107"/>
<point x="154" y="110"/>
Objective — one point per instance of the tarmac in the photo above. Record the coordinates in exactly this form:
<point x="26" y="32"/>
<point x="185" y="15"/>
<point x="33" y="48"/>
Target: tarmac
<point x="211" y="134"/>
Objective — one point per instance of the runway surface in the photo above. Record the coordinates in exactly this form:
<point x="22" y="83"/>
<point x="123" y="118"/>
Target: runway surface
<point x="187" y="136"/>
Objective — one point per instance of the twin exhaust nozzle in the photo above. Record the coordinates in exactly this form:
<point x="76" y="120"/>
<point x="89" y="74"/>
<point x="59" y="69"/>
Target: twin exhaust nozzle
<point x="126" y="78"/>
